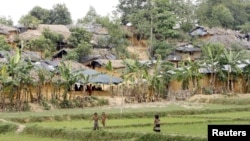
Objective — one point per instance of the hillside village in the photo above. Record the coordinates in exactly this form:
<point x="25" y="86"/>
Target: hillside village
<point x="67" y="62"/>
<point x="100" y="57"/>
<point x="150" y="71"/>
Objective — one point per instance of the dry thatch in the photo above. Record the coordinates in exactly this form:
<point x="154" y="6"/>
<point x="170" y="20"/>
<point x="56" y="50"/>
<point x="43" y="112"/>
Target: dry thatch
<point x="116" y="64"/>
<point x="60" y="29"/>
<point x="33" y="34"/>
<point x="229" y="38"/>
<point x="230" y="41"/>
<point x="30" y="35"/>
<point x="74" y="65"/>
<point x="4" y="29"/>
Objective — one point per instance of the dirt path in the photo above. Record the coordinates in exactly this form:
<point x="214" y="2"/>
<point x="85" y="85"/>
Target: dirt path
<point x="117" y="101"/>
<point x="20" y="127"/>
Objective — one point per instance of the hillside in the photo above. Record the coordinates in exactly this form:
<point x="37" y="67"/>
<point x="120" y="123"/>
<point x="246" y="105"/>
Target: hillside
<point x="140" y="52"/>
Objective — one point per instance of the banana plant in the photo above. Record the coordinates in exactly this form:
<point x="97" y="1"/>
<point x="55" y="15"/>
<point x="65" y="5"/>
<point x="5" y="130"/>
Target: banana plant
<point x="69" y="79"/>
<point x="109" y="67"/>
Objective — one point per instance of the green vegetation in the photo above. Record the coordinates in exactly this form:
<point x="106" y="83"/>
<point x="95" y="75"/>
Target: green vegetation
<point x="134" y="124"/>
<point x="25" y="137"/>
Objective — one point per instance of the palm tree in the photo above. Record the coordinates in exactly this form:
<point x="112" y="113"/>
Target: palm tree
<point x="230" y="61"/>
<point x="135" y="72"/>
<point x="13" y="71"/>
<point x="69" y="79"/>
<point x="42" y="73"/>
<point x="166" y="68"/>
<point x="189" y="73"/>
<point x="154" y="80"/>
<point x="26" y="79"/>
<point x="246" y="77"/>
<point x="211" y="54"/>
<point x="109" y="67"/>
<point x="6" y="84"/>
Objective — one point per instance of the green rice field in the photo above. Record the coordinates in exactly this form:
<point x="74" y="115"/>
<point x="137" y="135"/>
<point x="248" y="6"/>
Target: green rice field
<point x="178" y="122"/>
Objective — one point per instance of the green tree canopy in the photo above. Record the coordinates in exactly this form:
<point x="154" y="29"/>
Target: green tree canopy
<point x="78" y="35"/>
<point x="3" y="43"/>
<point x="90" y="16"/>
<point x="60" y="15"/>
<point x="116" y="36"/>
<point x="224" y="13"/>
<point x="151" y="19"/>
<point x="41" y="14"/>
<point x="6" y="21"/>
<point x="29" y="21"/>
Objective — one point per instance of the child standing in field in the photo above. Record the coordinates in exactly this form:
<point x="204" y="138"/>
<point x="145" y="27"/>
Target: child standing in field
<point x="157" y="127"/>
<point x="104" y="117"/>
<point x="95" y="119"/>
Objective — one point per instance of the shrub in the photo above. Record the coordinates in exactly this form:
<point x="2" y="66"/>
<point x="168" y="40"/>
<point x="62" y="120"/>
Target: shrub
<point x="102" y="102"/>
<point x="66" y="104"/>
<point x="4" y="128"/>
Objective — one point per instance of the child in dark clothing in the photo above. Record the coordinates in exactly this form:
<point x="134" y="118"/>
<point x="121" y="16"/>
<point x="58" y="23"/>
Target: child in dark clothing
<point x="95" y="119"/>
<point x="157" y="124"/>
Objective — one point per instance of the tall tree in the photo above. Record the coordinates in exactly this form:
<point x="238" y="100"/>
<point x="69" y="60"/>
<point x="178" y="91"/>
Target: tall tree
<point x="129" y="7"/>
<point x="29" y="21"/>
<point x="224" y="13"/>
<point x="189" y="73"/>
<point x="185" y="15"/>
<point x="78" y="35"/>
<point x="42" y="44"/>
<point x="246" y="77"/>
<point x="151" y="19"/>
<point x="230" y="61"/>
<point x="69" y="79"/>
<point x="60" y="15"/>
<point x="90" y="16"/>
<point x="6" y="21"/>
<point x="41" y="14"/>
<point x="211" y="54"/>
<point x="116" y="36"/>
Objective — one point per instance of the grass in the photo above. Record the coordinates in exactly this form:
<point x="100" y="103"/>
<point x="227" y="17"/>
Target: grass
<point x="180" y="121"/>
<point x="169" y="125"/>
<point x="90" y="111"/>
<point x="25" y="137"/>
<point x="226" y="115"/>
<point x="79" y="124"/>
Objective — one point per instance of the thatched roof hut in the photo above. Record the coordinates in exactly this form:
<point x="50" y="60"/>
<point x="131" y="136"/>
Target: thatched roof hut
<point x="9" y="32"/>
<point x="60" y="29"/>
<point x="4" y="29"/>
<point x="74" y="65"/>
<point x="229" y="38"/>
<point x="33" y="34"/>
<point x="30" y="35"/>
<point x="116" y="64"/>
<point x="229" y="41"/>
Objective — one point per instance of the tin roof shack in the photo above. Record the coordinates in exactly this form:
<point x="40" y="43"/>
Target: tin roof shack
<point x="175" y="59"/>
<point x="188" y="52"/>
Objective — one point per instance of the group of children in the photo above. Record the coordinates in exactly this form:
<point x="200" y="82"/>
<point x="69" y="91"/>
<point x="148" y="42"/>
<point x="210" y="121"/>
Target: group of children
<point x="95" y="118"/>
